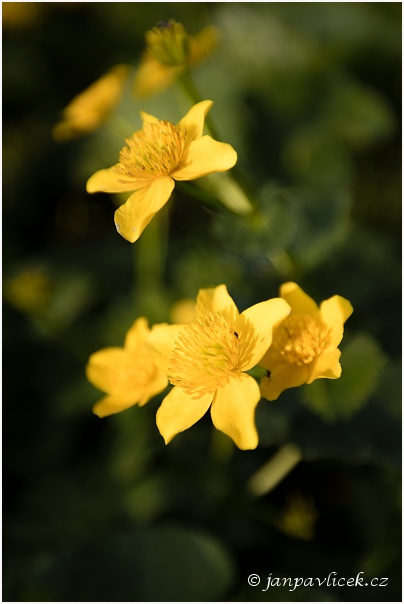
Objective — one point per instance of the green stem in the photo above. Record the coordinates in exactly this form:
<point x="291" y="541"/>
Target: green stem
<point x="275" y="470"/>
<point x="150" y="253"/>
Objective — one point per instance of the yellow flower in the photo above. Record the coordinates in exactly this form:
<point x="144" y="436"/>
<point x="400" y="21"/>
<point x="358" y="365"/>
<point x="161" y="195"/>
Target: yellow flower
<point x="152" y="159"/>
<point x="304" y="346"/>
<point x="169" y="52"/>
<point x="92" y="107"/>
<point x="206" y="362"/>
<point x="128" y="375"/>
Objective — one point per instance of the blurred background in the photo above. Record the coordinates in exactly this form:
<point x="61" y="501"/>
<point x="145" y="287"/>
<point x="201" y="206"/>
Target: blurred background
<point x="309" y="94"/>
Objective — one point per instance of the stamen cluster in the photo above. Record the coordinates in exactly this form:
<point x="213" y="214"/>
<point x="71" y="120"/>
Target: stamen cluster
<point x="206" y="353"/>
<point x="300" y="339"/>
<point x="154" y="151"/>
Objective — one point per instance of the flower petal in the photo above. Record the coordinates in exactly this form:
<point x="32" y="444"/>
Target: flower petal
<point x="152" y="76"/>
<point x="255" y="328"/>
<point x="326" y="365"/>
<point x="334" y="312"/>
<point x="202" y="44"/>
<point x="205" y="156"/>
<point x="148" y="119"/>
<point x="233" y="410"/>
<point x="107" y="370"/>
<point x="283" y="377"/>
<point x="109" y="181"/>
<point x="179" y="411"/>
<point x="161" y="343"/>
<point x="112" y="404"/>
<point x="298" y="300"/>
<point x="194" y="120"/>
<point x="133" y="216"/>
<point x="156" y="386"/>
<point x="216" y="299"/>
<point x="137" y="334"/>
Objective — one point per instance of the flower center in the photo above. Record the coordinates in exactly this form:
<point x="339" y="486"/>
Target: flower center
<point x="138" y="372"/>
<point x="155" y="150"/>
<point x="206" y="353"/>
<point x="300" y="339"/>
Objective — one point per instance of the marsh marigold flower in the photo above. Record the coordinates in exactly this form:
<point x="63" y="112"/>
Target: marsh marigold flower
<point x="127" y="375"/>
<point x="169" y="52"/>
<point x="92" y="107"/>
<point x="305" y="345"/>
<point x="206" y="362"/>
<point x="153" y="158"/>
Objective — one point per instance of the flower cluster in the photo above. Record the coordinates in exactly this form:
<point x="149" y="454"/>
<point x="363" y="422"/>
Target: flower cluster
<point x="207" y="360"/>
<point x="213" y="358"/>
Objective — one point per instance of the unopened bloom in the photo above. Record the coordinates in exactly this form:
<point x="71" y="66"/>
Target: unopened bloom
<point x="127" y="375"/>
<point x="153" y="158"/>
<point x="305" y="345"/>
<point x="92" y="107"/>
<point x="206" y="362"/>
<point x="169" y="52"/>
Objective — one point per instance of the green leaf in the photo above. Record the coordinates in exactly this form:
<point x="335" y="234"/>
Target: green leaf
<point x="153" y="565"/>
<point x="362" y="363"/>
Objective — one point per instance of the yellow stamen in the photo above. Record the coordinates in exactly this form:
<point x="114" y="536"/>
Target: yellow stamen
<point x="154" y="151"/>
<point x="300" y="339"/>
<point x="206" y="353"/>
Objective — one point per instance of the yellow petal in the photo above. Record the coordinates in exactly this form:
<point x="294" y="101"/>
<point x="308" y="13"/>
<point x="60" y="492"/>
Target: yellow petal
<point x="205" y="156"/>
<point x="233" y="410"/>
<point x="179" y="411"/>
<point x="156" y="386"/>
<point x="281" y="378"/>
<point x="255" y="328"/>
<point x="148" y="119"/>
<point x="194" y="120"/>
<point x="112" y="370"/>
<point x="216" y="299"/>
<point x="112" y="404"/>
<point x="109" y="181"/>
<point x="161" y="343"/>
<point x="92" y="107"/>
<point x="325" y="366"/>
<point x="133" y="216"/>
<point x="334" y="312"/>
<point x="298" y="300"/>
<point x="270" y="360"/>
<point x="137" y="334"/>
<point x="183" y="311"/>
<point x="152" y="76"/>
<point x="202" y="44"/>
